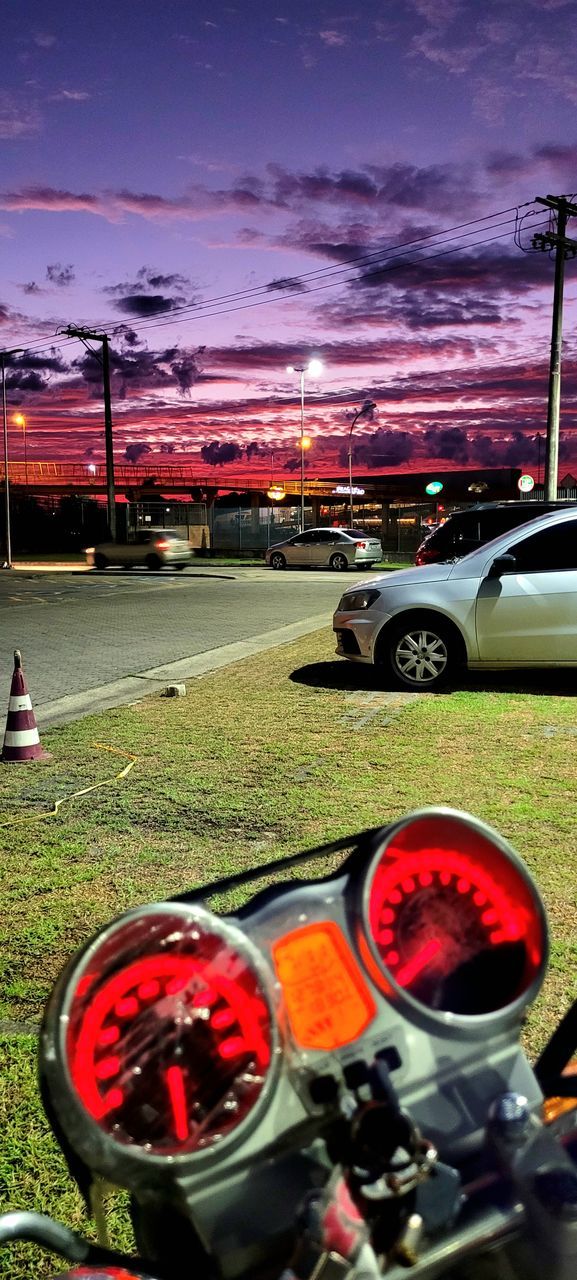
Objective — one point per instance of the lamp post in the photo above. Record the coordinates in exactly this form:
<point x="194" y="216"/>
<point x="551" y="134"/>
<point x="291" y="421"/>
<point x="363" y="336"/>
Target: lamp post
<point x="313" y="367"/>
<point x="8" y="542"/>
<point x="20" y="421"/>
<point x="366" y="410"/>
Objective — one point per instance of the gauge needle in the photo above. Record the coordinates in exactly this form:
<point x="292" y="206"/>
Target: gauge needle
<point x="418" y="962"/>
<point x="175" y="1083"/>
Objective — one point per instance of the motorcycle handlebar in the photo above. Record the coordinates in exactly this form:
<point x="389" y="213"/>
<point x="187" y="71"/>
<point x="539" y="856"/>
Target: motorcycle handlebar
<point x="37" y="1228"/>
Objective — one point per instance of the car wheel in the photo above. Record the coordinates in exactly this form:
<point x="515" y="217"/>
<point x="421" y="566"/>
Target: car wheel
<point x="154" y="563"/>
<point x="422" y="655"/>
<point x="100" y="561"/>
<point x="180" y="567"/>
<point x="339" y="562"/>
<point x="277" y="560"/>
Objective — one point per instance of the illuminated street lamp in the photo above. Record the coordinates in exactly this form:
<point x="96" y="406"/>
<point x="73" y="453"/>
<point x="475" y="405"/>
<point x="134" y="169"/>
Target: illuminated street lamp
<point x="366" y="411"/>
<point x="314" y="367"/>
<point x="20" y="421"/>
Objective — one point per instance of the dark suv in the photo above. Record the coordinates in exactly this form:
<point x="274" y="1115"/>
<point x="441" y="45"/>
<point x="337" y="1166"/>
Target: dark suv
<point x="465" y="531"/>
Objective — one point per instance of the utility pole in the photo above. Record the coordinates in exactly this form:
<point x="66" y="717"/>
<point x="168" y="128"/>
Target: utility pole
<point x="564" y="248"/>
<point x="86" y="336"/>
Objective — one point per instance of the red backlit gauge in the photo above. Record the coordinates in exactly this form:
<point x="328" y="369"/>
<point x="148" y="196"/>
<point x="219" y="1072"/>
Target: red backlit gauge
<point x="454" y="917"/>
<point x="170" y="1034"/>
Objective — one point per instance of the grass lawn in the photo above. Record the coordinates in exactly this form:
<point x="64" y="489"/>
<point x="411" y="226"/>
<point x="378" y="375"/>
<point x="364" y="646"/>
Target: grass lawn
<point x="277" y="753"/>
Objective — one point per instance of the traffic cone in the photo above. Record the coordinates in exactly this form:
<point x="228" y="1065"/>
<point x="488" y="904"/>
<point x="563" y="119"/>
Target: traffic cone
<point x="21" y="739"/>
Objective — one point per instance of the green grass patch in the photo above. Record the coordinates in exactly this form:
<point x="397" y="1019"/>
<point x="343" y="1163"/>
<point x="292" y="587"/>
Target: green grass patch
<point x="264" y="758"/>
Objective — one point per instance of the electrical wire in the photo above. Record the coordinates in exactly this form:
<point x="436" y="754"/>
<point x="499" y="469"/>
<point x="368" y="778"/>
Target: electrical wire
<point x="209" y="306"/>
<point x="200" y="313"/>
<point x="84" y="791"/>
<point x="385" y="270"/>
<point x="321" y="272"/>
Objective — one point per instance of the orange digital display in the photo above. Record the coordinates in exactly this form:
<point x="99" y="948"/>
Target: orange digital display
<point x="327" y="1001"/>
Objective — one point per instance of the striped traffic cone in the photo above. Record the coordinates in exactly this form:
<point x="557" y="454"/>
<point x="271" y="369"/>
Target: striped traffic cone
<point x="21" y="739"/>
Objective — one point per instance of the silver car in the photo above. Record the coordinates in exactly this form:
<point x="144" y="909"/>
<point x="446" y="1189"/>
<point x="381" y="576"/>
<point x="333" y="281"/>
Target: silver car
<point x="512" y="603"/>
<point x="326" y="548"/>
<point x="150" y="548"/>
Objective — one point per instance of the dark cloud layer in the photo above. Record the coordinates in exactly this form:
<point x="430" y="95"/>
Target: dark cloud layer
<point x="140" y="297"/>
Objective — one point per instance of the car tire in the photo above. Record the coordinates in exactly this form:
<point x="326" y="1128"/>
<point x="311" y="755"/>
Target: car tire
<point x="180" y="567"/>
<point x="100" y="561"/>
<point x="339" y="562"/>
<point x="153" y="563"/>
<point x="421" y="654"/>
<point x="277" y="560"/>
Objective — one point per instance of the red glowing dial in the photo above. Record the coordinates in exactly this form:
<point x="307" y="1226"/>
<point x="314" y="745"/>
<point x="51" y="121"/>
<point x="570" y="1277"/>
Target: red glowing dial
<point x="454" y="921"/>
<point x="170" y="1034"/>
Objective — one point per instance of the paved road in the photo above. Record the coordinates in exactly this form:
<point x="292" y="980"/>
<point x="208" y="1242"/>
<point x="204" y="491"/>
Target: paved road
<point x="81" y="631"/>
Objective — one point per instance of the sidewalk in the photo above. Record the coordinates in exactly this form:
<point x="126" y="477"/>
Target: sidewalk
<point x="75" y="562"/>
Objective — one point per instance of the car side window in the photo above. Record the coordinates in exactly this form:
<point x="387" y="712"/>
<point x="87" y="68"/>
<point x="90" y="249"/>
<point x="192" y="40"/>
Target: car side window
<point x="550" y="549"/>
<point x="304" y="539"/>
<point x="326" y="535"/>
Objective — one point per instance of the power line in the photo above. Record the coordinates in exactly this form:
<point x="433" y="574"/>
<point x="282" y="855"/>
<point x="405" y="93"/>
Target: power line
<point x="209" y="308"/>
<point x="248" y="306"/>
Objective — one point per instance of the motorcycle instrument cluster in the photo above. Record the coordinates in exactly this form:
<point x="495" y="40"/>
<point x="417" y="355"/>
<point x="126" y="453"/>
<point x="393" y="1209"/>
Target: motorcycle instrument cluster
<point x="167" y="1033"/>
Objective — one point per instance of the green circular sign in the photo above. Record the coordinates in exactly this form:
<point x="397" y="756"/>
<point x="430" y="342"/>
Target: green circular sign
<point x="526" y="483"/>
<point x="433" y="487"/>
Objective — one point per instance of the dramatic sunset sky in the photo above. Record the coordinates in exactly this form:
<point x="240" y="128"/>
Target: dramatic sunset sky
<point x="228" y="188"/>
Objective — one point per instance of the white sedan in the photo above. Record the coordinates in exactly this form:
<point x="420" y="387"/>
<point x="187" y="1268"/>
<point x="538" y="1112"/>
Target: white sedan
<point x="513" y="603"/>
<point x="326" y="549"/>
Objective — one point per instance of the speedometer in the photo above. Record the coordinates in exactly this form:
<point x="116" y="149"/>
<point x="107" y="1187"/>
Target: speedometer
<point x="169" y="1031"/>
<point x="453" y="916"/>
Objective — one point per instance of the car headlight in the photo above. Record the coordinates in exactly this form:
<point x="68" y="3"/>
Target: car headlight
<point x="359" y="599"/>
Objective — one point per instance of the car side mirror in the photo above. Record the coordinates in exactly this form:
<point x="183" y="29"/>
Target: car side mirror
<point x="501" y="565"/>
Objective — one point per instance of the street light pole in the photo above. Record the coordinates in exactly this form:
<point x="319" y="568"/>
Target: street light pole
<point x="7" y="533"/>
<point x="302" y="525"/>
<point x="7" y="539"/>
<point x="313" y="367"/>
<point x="366" y="410"/>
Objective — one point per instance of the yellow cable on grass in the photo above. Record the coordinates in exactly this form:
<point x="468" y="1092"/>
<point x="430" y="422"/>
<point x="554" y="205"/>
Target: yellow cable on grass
<point x="38" y="817"/>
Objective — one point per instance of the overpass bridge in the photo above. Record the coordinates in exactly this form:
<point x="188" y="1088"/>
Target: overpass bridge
<point x="135" y="482"/>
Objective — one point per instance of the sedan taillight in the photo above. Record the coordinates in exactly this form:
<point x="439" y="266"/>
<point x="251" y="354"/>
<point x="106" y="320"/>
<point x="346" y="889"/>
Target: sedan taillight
<point x="361" y="546"/>
<point x="162" y="544"/>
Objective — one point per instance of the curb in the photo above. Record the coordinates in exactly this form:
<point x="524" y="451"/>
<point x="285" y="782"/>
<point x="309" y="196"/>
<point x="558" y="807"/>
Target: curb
<point x="130" y="689"/>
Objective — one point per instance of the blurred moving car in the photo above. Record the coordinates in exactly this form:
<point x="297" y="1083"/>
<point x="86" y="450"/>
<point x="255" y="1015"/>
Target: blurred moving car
<point x="512" y="603"/>
<point x="465" y="531"/>
<point x="326" y="548"/>
<point x="152" y="548"/>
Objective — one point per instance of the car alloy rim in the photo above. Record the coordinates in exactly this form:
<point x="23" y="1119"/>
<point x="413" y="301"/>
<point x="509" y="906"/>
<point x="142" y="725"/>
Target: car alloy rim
<point x="421" y="656"/>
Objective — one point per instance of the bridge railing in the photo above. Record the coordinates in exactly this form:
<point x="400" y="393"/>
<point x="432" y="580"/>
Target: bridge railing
<point x="92" y="476"/>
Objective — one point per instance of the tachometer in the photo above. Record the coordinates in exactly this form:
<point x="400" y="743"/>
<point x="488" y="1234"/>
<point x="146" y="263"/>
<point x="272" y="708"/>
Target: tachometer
<point x="453" y="916"/>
